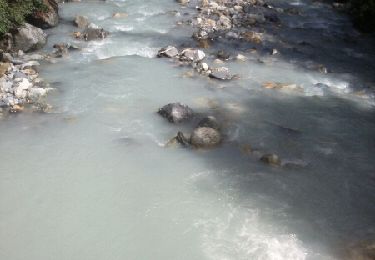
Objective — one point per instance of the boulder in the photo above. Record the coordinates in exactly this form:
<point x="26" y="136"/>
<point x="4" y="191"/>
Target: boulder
<point x="93" y="34"/>
<point x="29" y="38"/>
<point x="205" y="137"/>
<point x="192" y="55"/>
<point x="81" y="22"/>
<point x="221" y="73"/>
<point x="176" y="112"/>
<point x="168" y="52"/>
<point x="48" y="18"/>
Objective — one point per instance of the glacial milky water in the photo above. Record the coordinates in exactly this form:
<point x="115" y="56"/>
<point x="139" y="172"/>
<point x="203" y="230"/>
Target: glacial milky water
<point x="93" y="180"/>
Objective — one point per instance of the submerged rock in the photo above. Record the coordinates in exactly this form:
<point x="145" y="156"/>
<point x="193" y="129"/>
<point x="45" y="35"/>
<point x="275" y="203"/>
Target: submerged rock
<point x="271" y="159"/>
<point x="176" y="112"/>
<point x="205" y="137"/>
<point x="81" y="22"/>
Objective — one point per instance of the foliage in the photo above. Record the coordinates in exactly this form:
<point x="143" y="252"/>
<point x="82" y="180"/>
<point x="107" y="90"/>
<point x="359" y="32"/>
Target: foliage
<point x="14" y="12"/>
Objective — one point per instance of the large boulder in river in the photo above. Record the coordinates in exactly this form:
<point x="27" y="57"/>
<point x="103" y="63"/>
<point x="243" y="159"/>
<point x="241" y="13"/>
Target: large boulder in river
<point x="29" y="38"/>
<point x="47" y="18"/>
<point x="205" y="137"/>
<point x="176" y="112"/>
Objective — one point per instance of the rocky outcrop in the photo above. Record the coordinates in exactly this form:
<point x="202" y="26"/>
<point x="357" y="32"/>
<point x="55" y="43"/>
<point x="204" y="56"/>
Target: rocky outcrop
<point x="47" y="18"/>
<point x="29" y="38"/>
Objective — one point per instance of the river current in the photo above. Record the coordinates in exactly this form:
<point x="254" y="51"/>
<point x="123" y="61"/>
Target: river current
<point x="93" y="179"/>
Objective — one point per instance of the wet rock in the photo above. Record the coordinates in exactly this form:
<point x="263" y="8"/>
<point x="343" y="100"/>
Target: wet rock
<point x="92" y="32"/>
<point x="271" y="159"/>
<point x="192" y="55"/>
<point x="176" y="112"/>
<point x="119" y="15"/>
<point x="81" y="22"/>
<point x="252" y="37"/>
<point x="278" y="85"/>
<point x="183" y="2"/>
<point x="210" y="122"/>
<point x="241" y="57"/>
<point x="47" y="18"/>
<point x="168" y="52"/>
<point x="223" y="55"/>
<point x="180" y="139"/>
<point x="29" y="38"/>
<point x="360" y="251"/>
<point x="221" y="73"/>
<point x="205" y="137"/>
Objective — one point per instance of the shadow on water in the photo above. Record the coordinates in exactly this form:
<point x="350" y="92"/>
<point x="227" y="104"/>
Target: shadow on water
<point x="326" y="195"/>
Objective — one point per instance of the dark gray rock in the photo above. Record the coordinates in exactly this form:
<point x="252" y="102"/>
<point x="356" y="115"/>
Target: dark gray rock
<point x="176" y="112"/>
<point x="210" y="122"/>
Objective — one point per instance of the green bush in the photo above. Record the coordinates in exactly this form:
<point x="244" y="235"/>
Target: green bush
<point x="363" y="12"/>
<point x="14" y="12"/>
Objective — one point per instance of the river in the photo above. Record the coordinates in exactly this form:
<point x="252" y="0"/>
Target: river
<point x="93" y="179"/>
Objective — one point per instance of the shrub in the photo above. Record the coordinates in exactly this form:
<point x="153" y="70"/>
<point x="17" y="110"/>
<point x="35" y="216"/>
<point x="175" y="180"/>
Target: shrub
<point x="363" y="12"/>
<point x="14" y="12"/>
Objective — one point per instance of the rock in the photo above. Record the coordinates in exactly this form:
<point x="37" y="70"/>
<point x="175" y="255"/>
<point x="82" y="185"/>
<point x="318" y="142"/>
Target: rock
<point x="278" y="85"/>
<point x="192" y="55"/>
<point x="168" y="52"/>
<point x="364" y="250"/>
<point x="16" y="109"/>
<point x="29" y="38"/>
<point x="210" y="122"/>
<point x="252" y="37"/>
<point x="205" y="137"/>
<point x="223" y="55"/>
<point x="176" y="112"/>
<point x="4" y="67"/>
<point x="81" y="22"/>
<point x="46" y="19"/>
<point x="271" y="159"/>
<point x="120" y="15"/>
<point x="7" y="57"/>
<point x="180" y="139"/>
<point x="241" y="57"/>
<point x="183" y="2"/>
<point x="221" y="73"/>
<point x="93" y="34"/>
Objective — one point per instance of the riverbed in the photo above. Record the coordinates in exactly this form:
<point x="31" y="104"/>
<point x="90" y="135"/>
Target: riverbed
<point x="93" y="179"/>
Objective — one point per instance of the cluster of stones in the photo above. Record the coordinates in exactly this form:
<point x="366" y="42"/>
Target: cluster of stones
<point x="206" y="134"/>
<point x="90" y="31"/>
<point x="194" y="58"/>
<point x="20" y="84"/>
<point x="233" y="19"/>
